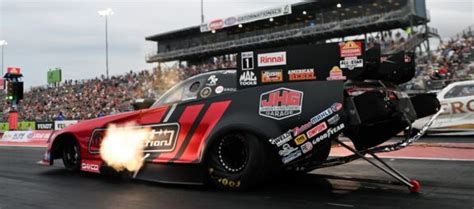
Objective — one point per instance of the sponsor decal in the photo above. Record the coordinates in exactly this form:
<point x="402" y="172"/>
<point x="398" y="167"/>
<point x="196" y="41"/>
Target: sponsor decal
<point x="457" y="107"/>
<point x="280" y="103"/>
<point x="61" y="124"/>
<point x="328" y="133"/>
<point x="301" y="74"/>
<point x="306" y="147"/>
<point x="336" y="107"/>
<point x="298" y="130"/>
<point x="248" y="78"/>
<point x="351" y="63"/>
<point x="292" y="156"/>
<point x="216" y="24"/>
<point x="316" y="130"/>
<point x="271" y="59"/>
<point x="229" y="89"/>
<point x="316" y="119"/>
<point x="333" y="120"/>
<point x="247" y="60"/>
<point x="162" y="138"/>
<point x="336" y="74"/>
<point x="284" y="138"/>
<point x="44" y="125"/>
<point x="212" y="80"/>
<point x="224" y="181"/>
<point x="90" y="166"/>
<point x="219" y="89"/>
<point x="300" y="139"/>
<point x="287" y="149"/>
<point x="205" y="92"/>
<point x="350" y="48"/>
<point x="272" y="76"/>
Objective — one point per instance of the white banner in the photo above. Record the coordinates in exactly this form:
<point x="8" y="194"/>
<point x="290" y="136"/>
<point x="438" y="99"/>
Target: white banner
<point x="16" y="136"/>
<point x="61" y="124"/>
<point x="246" y="18"/>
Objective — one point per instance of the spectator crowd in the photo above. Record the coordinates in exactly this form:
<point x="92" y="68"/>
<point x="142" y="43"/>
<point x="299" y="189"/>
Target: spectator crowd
<point x="450" y="62"/>
<point x="91" y="98"/>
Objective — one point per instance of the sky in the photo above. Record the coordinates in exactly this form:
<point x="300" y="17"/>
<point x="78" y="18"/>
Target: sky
<point x="44" y="34"/>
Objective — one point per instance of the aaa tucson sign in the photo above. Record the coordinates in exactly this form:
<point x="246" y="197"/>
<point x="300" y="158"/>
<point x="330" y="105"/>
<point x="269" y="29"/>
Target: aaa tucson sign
<point x="281" y="103"/>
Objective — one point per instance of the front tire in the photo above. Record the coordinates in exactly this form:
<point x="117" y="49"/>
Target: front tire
<point x="237" y="161"/>
<point x="71" y="155"/>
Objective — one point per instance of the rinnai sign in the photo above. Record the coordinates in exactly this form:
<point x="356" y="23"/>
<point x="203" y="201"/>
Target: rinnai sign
<point x="246" y="18"/>
<point x="272" y="59"/>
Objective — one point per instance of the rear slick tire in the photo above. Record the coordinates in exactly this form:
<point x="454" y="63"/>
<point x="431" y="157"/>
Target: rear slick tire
<point x="237" y="161"/>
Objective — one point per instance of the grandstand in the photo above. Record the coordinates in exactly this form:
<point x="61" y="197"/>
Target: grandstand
<point x="306" y="22"/>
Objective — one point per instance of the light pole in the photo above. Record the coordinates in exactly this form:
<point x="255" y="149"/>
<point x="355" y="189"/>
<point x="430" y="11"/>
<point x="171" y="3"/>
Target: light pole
<point x="3" y="43"/>
<point x="202" y="11"/>
<point x="106" y="13"/>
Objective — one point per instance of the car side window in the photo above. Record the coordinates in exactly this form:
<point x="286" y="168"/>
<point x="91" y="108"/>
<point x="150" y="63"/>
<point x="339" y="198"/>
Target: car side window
<point x="200" y="87"/>
<point x="460" y="91"/>
<point x="183" y="92"/>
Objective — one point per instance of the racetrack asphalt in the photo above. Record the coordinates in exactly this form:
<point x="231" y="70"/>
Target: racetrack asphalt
<point x="445" y="184"/>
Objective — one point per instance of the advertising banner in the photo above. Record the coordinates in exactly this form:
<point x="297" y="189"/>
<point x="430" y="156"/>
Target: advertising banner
<point x="26" y="125"/>
<point x="246" y="18"/>
<point x="44" y="126"/>
<point x="25" y="138"/>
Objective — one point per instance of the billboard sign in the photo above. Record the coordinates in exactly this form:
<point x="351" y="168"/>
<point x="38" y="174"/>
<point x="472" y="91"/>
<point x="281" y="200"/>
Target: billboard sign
<point x="54" y="76"/>
<point x="14" y="70"/>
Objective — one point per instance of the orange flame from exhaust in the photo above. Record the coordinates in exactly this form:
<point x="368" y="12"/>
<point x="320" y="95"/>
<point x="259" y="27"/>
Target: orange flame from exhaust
<point x="123" y="145"/>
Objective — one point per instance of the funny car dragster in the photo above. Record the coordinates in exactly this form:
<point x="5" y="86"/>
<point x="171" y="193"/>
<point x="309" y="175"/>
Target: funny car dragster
<point x="279" y="110"/>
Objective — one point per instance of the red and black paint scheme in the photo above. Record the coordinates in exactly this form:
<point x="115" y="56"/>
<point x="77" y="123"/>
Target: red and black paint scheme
<point x="233" y="128"/>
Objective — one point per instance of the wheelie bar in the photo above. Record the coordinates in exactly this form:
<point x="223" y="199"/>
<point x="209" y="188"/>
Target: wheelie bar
<point x="413" y="185"/>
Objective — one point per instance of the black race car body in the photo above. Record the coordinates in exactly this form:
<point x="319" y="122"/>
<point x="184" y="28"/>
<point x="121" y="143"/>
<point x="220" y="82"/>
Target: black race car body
<point x="277" y="111"/>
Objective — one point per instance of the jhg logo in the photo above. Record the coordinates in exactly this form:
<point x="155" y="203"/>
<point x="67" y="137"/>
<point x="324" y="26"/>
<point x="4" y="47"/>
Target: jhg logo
<point x="162" y="138"/>
<point x="281" y="103"/>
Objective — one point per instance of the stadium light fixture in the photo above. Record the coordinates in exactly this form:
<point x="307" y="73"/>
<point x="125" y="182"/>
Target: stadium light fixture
<point x="106" y="13"/>
<point x="304" y="12"/>
<point x="339" y="5"/>
<point x="3" y="43"/>
<point x="271" y="19"/>
<point x="213" y="31"/>
<point x="240" y="26"/>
